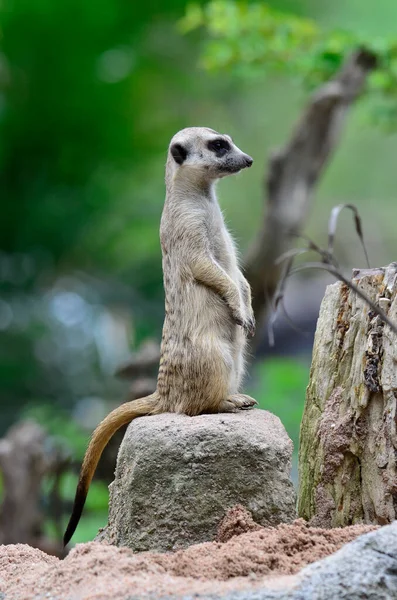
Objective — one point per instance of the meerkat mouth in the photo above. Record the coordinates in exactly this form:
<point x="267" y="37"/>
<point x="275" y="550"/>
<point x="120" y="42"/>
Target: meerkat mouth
<point x="232" y="168"/>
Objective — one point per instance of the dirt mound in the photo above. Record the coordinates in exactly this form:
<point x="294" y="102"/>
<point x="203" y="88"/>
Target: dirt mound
<point x="237" y="521"/>
<point x="104" y="572"/>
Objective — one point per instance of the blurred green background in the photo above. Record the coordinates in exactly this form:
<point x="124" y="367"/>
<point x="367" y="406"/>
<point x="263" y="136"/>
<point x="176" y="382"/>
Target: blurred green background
<point x="90" y="95"/>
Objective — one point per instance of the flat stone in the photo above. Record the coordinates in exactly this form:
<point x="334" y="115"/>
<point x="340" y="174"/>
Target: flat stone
<point x="177" y="476"/>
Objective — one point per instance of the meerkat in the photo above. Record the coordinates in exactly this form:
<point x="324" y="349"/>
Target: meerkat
<point x="208" y="313"/>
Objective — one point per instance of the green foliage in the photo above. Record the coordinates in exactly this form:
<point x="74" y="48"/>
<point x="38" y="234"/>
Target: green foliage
<point x="72" y="439"/>
<point x="279" y="386"/>
<point x="83" y="135"/>
<point x="238" y="31"/>
<point x="254" y="40"/>
<point x="64" y="430"/>
<point x="95" y="509"/>
<point x="71" y="112"/>
<point x="86" y="531"/>
<point x="97" y="498"/>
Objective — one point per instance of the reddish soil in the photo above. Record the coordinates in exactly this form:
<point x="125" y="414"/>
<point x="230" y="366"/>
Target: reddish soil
<point x="245" y="555"/>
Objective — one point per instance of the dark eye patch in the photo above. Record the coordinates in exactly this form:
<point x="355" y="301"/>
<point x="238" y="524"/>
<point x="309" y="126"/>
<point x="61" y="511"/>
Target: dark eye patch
<point x="179" y="153"/>
<point x="219" y="146"/>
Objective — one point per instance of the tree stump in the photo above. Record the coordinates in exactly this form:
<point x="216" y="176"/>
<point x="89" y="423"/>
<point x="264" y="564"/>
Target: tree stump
<point x="27" y="455"/>
<point x="348" y="441"/>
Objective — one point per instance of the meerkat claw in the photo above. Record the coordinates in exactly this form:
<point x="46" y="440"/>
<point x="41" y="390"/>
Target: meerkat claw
<point x="247" y="324"/>
<point x="239" y="320"/>
<point x="251" y="327"/>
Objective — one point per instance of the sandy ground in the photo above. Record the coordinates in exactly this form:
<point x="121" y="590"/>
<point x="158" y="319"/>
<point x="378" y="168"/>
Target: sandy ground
<point x="245" y="555"/>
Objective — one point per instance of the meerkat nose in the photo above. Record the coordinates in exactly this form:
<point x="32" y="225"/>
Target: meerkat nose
<point x="248" y="160"/>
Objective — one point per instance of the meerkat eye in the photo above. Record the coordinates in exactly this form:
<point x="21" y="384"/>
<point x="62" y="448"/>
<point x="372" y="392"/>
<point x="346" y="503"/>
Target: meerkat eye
<point x="219" y="146"/>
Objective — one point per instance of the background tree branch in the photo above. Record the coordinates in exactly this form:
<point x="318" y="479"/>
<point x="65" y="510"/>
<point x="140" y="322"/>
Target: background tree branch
<point x="294" y="172"/>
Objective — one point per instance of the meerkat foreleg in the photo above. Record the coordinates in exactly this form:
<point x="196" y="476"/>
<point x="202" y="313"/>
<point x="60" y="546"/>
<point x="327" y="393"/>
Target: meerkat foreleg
<point x="208" y="272"/>
<point x="236" y="400"/>
<point x="246" y="293"/>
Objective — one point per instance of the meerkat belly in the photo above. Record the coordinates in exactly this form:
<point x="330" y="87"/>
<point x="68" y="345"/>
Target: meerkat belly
<point x="197" y="352"/>
<point x="208" y="314"/>
<point x="224" y="251"/>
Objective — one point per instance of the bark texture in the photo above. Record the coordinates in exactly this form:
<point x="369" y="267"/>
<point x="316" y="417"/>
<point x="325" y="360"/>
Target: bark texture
<point x="27" y="455"/>
<point x="348" y="443"/>
<point x="23" y="464"/>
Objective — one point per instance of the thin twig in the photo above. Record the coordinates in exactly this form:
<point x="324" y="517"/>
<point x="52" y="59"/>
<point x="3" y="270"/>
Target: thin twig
<point x="333" y="222"/>
<point x="338" y="275"/>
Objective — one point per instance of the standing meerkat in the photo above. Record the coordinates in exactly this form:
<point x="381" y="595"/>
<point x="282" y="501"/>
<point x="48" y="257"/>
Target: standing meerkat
<point x="208" y="312"/>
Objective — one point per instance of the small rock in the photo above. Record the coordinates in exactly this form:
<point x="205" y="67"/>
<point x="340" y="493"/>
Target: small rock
<point x="177" y="476"/>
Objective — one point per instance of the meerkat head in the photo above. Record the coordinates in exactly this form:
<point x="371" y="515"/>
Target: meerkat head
<point x="202" y="152"/>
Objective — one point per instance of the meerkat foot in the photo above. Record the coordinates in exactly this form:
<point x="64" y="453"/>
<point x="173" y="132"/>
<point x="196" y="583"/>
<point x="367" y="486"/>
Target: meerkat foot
<point x="227" y="407"/>
<point x="236" y="402"/>
<point x="242" y="400"/>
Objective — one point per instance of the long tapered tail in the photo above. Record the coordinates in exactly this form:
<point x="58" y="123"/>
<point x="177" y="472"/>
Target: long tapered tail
<point x="101" y="436"/>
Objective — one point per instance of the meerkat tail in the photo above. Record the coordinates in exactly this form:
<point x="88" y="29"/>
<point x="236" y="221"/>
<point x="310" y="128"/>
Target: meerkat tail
<point x="100" y="438"/>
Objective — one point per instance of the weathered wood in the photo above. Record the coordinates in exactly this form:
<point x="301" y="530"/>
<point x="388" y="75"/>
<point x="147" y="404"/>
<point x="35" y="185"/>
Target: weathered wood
<point x="27" y="455"/>
<point x="23" y="463"/>
<point x="348" y="442"/>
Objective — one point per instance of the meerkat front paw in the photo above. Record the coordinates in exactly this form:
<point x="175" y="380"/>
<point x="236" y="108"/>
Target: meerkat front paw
<point x="252" y="325"/>
<point x="248" y="324"/>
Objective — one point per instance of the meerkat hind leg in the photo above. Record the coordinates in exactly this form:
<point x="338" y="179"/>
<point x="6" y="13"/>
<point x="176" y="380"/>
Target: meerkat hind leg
<point x="234" y="402"/>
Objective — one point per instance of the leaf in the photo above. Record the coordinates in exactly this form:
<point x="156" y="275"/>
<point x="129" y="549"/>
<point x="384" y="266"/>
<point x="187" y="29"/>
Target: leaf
<point x="193" y="19"/>
<point x="253" y="40"/>
<point x="333" y="222"/>
<point x="381" y="81"/>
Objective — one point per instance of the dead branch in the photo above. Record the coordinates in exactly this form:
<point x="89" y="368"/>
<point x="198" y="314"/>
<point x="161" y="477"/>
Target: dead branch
<point x="142" y="363"/>
<point x="328" y="263"/>
<point x="294" y="172"/>
<point x="26" y="457"/>
<point x="23" y="462"/>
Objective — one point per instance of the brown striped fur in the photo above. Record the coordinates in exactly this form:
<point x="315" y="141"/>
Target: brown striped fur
<point x="208" y="310"/>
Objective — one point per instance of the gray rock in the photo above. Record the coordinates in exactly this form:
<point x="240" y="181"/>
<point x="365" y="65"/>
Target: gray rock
<point x="177" y="476"/>
<point x="364" y="568"/>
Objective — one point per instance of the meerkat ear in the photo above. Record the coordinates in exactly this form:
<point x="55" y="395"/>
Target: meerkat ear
<point x="179" y="153"/>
